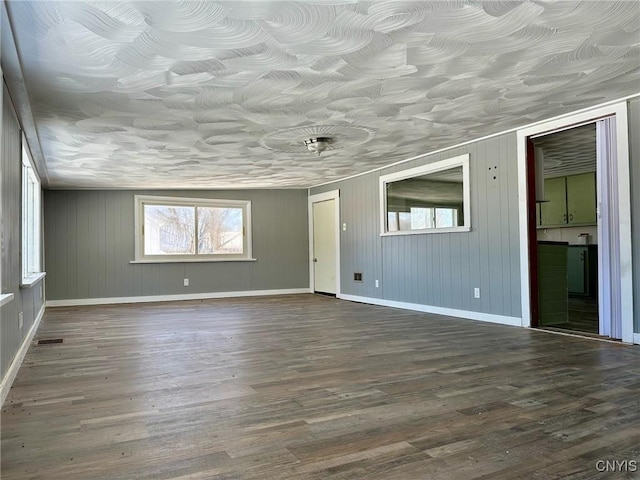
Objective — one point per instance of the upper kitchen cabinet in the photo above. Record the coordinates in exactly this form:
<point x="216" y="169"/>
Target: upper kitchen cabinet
<point x="569" y="201"/>
<point x="553" y="211"/>
<point x="581" y="199"/>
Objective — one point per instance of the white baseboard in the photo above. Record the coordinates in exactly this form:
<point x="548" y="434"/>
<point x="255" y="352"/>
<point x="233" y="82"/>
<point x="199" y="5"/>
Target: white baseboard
<point x="10" y="376"/>
<point x="636" y="338"/>
<point x="169" y="298"/>
<point x="483" y="317"/>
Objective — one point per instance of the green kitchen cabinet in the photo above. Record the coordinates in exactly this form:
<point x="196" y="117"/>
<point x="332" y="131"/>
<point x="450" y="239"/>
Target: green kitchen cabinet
<point x="569" y="201"/>
<point x="553" y="298"/>
<point x="553" y="211"/>
<point x="581" y="199"/>
<point x="576" y="270"/>
<point x="582" y="270"/>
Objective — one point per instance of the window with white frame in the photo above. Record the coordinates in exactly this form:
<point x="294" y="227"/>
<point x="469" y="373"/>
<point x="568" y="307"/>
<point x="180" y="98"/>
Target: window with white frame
<point x="31" y="217"/>
<point x="176" y="229"/>
<point x="433" y="198"/>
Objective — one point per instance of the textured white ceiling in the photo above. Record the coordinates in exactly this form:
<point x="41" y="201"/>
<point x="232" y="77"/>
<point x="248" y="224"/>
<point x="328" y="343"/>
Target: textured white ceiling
<point x="220" y="94"/>
<point x="569" y="152"/>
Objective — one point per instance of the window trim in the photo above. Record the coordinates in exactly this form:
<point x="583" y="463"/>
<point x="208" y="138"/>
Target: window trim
<point x="141" y="200"/>
<point x="27" y="167"/>
<point x="460" y="160"/>
<point x="5" y="298"/>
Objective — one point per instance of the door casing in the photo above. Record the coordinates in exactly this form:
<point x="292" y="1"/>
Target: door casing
<point x="321" y="197"/>
<point x="619" y="110"/>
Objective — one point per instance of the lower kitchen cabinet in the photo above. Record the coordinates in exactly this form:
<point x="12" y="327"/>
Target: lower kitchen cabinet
<point x="552" y="283"/>
<point x="582" y="270"/>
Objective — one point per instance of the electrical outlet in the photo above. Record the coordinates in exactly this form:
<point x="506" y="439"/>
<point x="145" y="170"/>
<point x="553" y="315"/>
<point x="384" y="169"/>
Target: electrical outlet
<point x="20" y="320"/>
<point x="377" y="284"/>
<point x="186" y="282"/>
<point x="476" y="292"/>
<point x="344" y="227"/>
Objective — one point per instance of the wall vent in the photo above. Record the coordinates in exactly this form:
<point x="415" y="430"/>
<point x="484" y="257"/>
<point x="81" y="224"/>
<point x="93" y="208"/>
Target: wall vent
<point x="357" y="277"/>
<point x="49" y="341"/>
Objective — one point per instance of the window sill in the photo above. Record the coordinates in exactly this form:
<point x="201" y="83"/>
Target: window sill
<point x="430" y="231"/>
<point x="31" y="280"/>
<point x="195" y="260"/>
<point x="5" y="298"/>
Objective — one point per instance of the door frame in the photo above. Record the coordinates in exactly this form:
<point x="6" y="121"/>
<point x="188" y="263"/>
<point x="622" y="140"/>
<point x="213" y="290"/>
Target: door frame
<point x="323" y="197"/>
<point x="619" y="110"/>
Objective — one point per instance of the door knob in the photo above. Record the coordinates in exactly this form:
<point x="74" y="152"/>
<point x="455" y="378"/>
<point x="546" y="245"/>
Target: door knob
<point x="315" y="260"/>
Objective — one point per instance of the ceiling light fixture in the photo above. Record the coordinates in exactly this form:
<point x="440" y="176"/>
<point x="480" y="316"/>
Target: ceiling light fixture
<point x="301" y="140"/>
<point x="318" y="144"/>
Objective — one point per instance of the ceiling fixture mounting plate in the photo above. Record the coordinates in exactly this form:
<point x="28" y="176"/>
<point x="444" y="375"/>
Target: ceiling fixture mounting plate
<point x="305" y="139"/>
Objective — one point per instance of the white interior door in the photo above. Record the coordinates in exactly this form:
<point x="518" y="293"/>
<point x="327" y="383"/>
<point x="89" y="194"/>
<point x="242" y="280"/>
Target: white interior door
<point x="324" y="246"/>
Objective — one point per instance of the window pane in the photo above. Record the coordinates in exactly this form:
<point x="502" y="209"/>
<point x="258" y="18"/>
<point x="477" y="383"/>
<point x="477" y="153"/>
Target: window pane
<point x="392" y="221"/>
<point x="30" y="218"/>
<point x="169" y="230"/>
<point x="446" y="218"/>
<point x="431" y="200"/>
<point x="421" y="218"/>
<point x="220" y="230"/>
<point x="404" y="220"/>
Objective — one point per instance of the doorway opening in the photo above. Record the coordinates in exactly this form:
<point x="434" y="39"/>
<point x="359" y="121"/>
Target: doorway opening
<point x="566" y="227"/>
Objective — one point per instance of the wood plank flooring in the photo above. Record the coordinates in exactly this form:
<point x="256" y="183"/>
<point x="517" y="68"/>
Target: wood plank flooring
<point x="583" y="316"/>
<point x="310" y="387"/>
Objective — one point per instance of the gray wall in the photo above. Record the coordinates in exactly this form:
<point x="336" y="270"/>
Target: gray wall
<point x="89" y="242"/>
<point x="439" y="269"/>
<point x="634" y="151"/>
<point x="26" y="300"/>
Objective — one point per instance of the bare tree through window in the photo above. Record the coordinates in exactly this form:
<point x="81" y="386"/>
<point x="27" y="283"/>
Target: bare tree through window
<point x="171" y="230"/>
<point x="219" y="230"/>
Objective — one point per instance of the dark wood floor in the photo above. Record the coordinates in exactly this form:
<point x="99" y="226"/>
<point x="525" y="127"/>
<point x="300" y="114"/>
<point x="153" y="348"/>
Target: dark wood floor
<point x="310" y="387"/>
<point x="582" y="315"/>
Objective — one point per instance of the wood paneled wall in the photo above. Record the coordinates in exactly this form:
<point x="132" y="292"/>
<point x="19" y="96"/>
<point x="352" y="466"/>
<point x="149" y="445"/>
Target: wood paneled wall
<point x="439" y="269"/>
<point x="89" y="238"/>
<point x="26" y="300"/>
